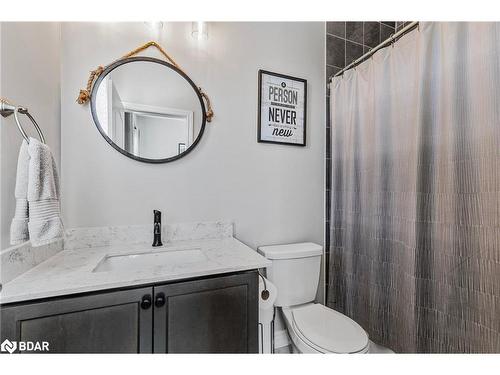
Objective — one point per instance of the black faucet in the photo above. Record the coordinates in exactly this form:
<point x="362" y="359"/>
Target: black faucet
<point x="157" y="228"/>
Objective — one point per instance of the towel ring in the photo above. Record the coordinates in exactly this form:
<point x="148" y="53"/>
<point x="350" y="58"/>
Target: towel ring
<point x="24" y="111"/>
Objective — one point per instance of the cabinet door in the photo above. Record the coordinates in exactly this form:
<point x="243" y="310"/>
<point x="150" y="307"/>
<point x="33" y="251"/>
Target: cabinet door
<point x="215" y="315"/>
<point x="111" y="322"/>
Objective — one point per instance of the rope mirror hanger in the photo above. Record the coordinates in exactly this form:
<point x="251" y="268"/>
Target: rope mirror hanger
<point x="84" y="95"/>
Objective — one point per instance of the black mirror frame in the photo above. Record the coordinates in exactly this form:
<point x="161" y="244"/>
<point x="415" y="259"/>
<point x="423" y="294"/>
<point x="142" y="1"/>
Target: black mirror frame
<point x="118" y="63"/>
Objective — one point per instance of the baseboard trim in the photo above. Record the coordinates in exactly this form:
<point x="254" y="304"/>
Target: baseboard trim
<point x="281" y="339"/>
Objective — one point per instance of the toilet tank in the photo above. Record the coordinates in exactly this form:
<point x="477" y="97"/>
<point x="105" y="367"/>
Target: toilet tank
<point x="295" y="271"/>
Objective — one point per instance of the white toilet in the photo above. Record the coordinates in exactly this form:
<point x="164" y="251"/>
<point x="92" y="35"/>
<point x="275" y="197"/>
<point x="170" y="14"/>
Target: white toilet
<point x="313" y="328"/>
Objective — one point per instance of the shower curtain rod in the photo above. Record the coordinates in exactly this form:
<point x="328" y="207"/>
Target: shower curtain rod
<point x="385" y="43"/>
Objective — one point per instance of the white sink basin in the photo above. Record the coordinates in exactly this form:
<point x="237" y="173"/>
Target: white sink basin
<point x="149" y="259"/>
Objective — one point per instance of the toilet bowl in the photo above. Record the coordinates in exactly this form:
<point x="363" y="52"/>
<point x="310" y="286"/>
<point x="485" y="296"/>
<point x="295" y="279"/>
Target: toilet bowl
<point x="312" y="327"/>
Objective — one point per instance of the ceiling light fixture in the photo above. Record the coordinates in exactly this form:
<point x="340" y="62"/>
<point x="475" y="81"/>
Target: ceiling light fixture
<point x="199" y="30"/>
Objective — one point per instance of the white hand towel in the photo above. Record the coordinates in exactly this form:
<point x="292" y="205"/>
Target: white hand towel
<point x="19" y="226"/>
<point x="45" y="225"/>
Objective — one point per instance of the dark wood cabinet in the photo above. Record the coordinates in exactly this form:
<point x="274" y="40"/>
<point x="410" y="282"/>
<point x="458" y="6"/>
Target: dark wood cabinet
<point x="218" y="315"/>
<point x="212" y="315"/>
<point x="111" y="322"/>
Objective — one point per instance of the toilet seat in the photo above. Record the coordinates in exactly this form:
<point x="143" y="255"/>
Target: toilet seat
<point x="317" y="328"/>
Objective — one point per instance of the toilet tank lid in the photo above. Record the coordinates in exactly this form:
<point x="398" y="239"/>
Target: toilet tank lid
<point x="291" y="251"/>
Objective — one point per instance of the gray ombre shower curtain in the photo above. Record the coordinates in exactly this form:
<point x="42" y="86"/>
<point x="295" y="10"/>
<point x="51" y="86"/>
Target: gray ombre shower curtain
<point x="415" y="212"/>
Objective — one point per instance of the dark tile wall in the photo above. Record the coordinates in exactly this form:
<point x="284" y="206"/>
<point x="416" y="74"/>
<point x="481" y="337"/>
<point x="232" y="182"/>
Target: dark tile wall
<point x="401" y="24"/>
<point x="345" y="42"/>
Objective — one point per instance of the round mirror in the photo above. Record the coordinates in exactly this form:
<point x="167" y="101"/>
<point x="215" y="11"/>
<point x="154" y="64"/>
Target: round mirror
<point x="148" y="109"/>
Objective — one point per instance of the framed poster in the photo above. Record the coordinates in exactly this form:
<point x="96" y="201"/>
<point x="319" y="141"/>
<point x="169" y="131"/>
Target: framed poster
<point x="282" y="109"/>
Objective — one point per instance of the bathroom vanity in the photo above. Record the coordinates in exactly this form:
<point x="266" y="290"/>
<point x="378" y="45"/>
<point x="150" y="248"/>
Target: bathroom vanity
<point x="207" y="315"/>
<point x="196" y="296"/>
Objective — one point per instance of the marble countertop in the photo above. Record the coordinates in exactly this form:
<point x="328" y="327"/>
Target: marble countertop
<point x="71" y="271"/>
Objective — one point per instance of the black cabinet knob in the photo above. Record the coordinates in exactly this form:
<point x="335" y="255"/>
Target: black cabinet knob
<point x="146" y="302"/>
<point x="160" y="300"/>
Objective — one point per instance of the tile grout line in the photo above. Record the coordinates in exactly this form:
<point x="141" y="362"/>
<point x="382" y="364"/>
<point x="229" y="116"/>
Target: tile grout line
<point x="345" y="39"/>
<point x="333" y="66"/>
<point x="345" y="43"/>
<point x="363" y="38"/>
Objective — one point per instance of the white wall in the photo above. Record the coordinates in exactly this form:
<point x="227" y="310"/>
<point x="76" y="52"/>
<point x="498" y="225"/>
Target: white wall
<point x="29" y="76"/>
<point x="273" y="193"/>
<point x="160" y="137"/>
